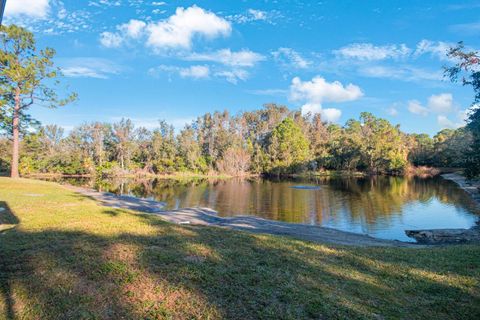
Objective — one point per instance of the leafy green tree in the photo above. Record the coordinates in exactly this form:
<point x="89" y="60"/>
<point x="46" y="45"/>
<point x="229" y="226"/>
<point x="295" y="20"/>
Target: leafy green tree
<point x="26" y="77"/>
<point x="288" y="148"/>
<point x="467" y="67"/>
<point x="164" y="148"/>
<point x="422" y="151"/>
<point x="144" y="155"/>
<point x="190" y="150"/>
<point x="123" y="133"/>
<point x="450" y="147"/>
<point x="5" y="149"/>
<point x="382" y="146"/>
<point x="99" y="134"/>
<point x="318" y="135"/>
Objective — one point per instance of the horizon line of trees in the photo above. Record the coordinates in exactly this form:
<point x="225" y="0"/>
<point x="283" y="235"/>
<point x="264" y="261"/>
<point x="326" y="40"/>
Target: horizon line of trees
<point x="273" y="140"/>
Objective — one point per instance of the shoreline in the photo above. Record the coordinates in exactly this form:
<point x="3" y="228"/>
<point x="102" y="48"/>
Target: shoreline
<point x="318" y="234"/>
<point x="441" y="236"/>
<point x="470" y="187"/>
<point x="209" y="217"/>
<point x="189" y="175"/>
<point x="174" y="176"/>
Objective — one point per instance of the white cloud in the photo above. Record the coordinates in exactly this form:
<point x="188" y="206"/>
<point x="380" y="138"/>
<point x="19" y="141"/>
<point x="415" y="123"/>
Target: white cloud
<point x="159" y="3"/>
<point x="47" y="17"/>
<point x="438" y="49"/>
<point x="258" y="14"/>
<point x="331" y="114"/>
<point x="89" y="68"/>
<point x="179" y="29"/>
<point x="134" y="28"/>
<point x="105" y="3"/>
<point x="442" y="103"/>
<point x="194" y="72"/>
<point x="236" y="61"/>
<point x="415" y="107"/>
<point x="289" y="58"/>
<point x="368" y="51"/>
<point x="444" y="122"/>
<point x="30" y="8"/>
<point x="375" y="61"/>
<point x="82" y="72"/>
<point x="328" y="114"/>
<point x="242" y="58"/>
<point x="233" y="76"/>
<point x="175" y="32"/>
<point x="252" y="15"/>
<point x="392" y="111"/>
<point x="110" y="40"/>
<point x="158" y="11"/>
<point x="269" y="92"/>
<point x="398" y="72"/>
<point x="318" y="91"/>
<point x="463" y="115"/>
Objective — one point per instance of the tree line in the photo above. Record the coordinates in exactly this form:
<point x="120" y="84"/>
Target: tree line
<point x="272" y="140"/>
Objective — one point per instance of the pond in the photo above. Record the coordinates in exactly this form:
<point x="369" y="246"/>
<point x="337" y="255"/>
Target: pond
<point x="381" y="206"/>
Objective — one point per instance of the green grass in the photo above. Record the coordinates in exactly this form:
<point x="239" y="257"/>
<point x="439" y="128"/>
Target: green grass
<point x="62" y="256"/>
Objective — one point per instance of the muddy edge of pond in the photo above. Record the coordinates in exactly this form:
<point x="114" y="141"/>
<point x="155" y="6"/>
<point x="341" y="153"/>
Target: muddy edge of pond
<point x="209" y="217"/>
<point x="452" y="236"/>
<point x="471" y="187"/>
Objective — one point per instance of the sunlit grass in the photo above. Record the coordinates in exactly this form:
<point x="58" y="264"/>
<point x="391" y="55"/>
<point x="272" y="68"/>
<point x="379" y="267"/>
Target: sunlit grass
<point x="68" y="257"/>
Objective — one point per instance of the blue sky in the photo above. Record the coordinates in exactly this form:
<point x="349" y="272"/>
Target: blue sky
<point x="175" y="60"/>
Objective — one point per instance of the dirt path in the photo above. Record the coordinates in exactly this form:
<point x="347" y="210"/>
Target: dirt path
<point x="209" y="217"/>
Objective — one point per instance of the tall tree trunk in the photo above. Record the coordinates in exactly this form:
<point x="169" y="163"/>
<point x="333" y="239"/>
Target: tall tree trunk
<point x="16" y="134"/>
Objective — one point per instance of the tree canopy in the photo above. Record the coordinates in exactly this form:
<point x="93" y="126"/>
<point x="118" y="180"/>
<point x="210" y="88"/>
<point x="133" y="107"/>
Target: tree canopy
<point x="272" y="140"/>
<point x="466" y="69"/>
<point x="27" y="77"/>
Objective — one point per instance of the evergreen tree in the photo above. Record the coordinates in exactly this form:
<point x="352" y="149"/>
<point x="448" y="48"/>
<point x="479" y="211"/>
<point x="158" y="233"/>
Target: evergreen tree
<point x="25" y="77"/>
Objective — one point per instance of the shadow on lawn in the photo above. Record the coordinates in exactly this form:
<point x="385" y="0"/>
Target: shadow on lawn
<point x="6" y="218"/>
<point x="198" y="272"/>
<point x="6" y="215"/>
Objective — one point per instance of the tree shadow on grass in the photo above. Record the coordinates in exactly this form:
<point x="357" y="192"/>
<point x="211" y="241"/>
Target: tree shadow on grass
<point x="6" y="215"/>
<point x="7" y="221"/>
<point x="172" y="271"/>
<point x="112" y="212"/>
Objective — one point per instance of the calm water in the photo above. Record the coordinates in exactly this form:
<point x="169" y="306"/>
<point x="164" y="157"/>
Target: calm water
<point x="382" y="206"/>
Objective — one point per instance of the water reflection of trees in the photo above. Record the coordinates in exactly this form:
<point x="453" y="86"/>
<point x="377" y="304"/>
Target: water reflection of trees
<point x="361" y="200"/>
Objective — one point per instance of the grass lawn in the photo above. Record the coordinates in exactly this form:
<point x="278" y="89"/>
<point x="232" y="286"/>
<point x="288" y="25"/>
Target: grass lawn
<point x="62" y="256"/>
